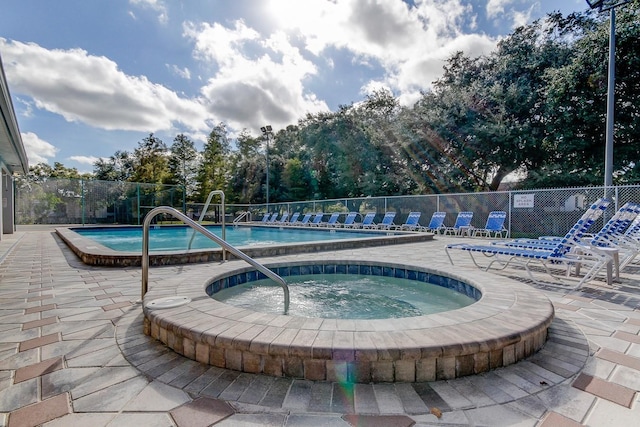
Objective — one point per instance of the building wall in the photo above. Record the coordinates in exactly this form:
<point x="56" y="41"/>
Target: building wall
<point x="7" y="219"/>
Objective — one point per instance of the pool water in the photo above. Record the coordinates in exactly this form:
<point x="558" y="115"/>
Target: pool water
<point x="346" y="296"/>
<point x="175" y="238"/>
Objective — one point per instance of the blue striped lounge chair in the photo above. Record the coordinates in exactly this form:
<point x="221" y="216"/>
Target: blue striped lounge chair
<point x="436" y="224"/>
<point x="270" y="218"/>
<point x="387" y="221"/>
<point x="613" y="236"/>
<point x="494" y="226"/>
<point x="332" y="221"/>
<point x="578" y="230"/>
<point x="411" y="223"/>
<point x="316" y="220"/>
<point x="367" y="221"/>
<point x="568" y="252"/>
<point x="283" y="219"/>
<point x="305" y="219"/>
<point x="349" y="221"/>
<point x="462" y="224"/>
<point x="293" y="219"/>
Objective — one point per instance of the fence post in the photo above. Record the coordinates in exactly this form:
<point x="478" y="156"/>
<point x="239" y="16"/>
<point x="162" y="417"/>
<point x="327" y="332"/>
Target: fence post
<point x="138" y="197"/>
<point x="509" y="194"/>
<point x="184" y="199"/>
<point x="82" y="206"/>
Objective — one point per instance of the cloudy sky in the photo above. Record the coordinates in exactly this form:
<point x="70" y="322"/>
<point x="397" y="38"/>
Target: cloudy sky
<point x="89" y="78"/>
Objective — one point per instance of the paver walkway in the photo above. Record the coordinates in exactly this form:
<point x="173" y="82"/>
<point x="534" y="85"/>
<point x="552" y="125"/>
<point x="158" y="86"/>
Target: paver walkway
<point x="72" y="353"/>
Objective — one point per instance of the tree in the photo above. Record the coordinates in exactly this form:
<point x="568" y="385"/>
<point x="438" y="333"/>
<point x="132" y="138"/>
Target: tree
<point x="296" y="180"/>
<point x="576" y="105"/>
<point x="212" y="172"/>
<point x="150" y="161"/>
<point x="246" y="171"/>
<point x="183" y="165"/>
<point x="486" y="117"/>
<point x="118" y="167"/>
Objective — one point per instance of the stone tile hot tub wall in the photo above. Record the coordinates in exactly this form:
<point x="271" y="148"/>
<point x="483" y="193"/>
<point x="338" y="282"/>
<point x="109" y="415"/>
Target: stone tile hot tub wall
<point x="508" y="323"/>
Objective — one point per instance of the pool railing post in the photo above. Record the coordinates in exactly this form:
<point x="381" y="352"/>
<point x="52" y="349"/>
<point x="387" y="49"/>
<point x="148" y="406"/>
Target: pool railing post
<point x="197" y="226"/>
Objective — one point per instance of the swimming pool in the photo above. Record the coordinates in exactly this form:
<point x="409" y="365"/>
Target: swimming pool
<point x="275" y="241"/>
<point x="176" y="238"/>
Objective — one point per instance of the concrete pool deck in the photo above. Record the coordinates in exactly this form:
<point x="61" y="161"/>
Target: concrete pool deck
<point x="73" y="353"/>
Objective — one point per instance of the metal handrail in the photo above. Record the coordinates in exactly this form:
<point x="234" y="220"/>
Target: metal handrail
<point x="242" y="216"/>
<point x="224" y="215"/>
<point x="197" y="227"/>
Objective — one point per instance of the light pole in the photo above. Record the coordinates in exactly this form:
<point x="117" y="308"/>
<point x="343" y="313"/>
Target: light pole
<point x="610" y="5"/>
<point x="267" y="131"/>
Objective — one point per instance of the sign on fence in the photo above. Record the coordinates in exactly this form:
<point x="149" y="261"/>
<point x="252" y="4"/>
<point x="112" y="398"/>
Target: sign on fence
<point x="523" y="200"/>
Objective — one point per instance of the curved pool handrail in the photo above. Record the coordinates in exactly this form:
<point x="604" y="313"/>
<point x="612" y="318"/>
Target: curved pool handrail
<point x="241" y="216"/>
<point x="204" y="211"/>
<point x="198" y="227"/>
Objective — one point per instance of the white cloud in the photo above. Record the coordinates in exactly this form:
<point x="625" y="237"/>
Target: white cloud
<point x="250" y="79"/>
<point x="251" y="89"/>
<point x="501" y="10"/>
<point x="38" y="150"/>
<point x="85" y="160"/>
<point x="28" y="107"/>
<point x="410" y="43"/>
<point x="91" y="89"/>
<point x="155" y="5"/>
<point x="521" y="18"/>
<point x="497" y="7"/>
<point x="181" y="72"/>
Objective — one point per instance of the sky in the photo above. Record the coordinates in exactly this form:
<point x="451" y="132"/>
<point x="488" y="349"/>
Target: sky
<point x="91" y="77"/>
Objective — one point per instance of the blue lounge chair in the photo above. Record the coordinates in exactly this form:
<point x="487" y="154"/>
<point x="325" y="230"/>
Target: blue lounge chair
<point x="568" y="252"/>
<point x="436" y="224"/>
<point x="332" y="222"/>
<point x="270" y="217"/>
<point x="387" y="221"/>
<point x="349" y="220"/>
<point x="283" y="219"/>
<point x="294" y="218"/>
<point x="613" y="236"/>
<point x="266" y="217"/>
<point x="316" y="220"/>
<point x="462" y="224"/>
<point x="305" y="219"/>
<point x="367" y="221"/>
<point x="578" y="230"/>
<point x="411" y="223"/>
<point x="494" y="226"/>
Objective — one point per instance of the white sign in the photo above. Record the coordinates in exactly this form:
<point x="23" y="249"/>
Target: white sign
<point x="523" y="200"/>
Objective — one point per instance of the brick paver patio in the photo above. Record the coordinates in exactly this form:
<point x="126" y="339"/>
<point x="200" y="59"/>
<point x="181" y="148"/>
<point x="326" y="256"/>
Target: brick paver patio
<point x="73" y="353"/>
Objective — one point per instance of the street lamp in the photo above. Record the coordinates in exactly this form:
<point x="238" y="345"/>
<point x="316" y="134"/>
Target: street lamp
<point x="610" y="5"/>
<point x="267" y="131"/>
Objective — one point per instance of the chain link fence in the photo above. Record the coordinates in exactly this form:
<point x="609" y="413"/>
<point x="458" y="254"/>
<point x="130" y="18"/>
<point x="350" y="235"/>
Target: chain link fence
<point x="530" y="213"/>
<point x="81" y="201"/>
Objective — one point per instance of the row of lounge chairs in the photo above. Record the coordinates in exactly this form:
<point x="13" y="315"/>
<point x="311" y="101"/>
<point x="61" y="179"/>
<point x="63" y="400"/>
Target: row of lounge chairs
<point x="614" y="247"/>
<point x="316" y="220"/>
<point x="462" y="226"/>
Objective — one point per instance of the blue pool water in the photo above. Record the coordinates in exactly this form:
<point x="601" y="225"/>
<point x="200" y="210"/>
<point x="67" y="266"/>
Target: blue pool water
<point x="176" y="238"/>
<point x="346" y="296"/>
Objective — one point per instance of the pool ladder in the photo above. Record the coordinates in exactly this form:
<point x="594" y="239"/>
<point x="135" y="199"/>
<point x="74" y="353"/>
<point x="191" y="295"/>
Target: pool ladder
<point x="198" y="227"/>
<point x="224" y="215"/>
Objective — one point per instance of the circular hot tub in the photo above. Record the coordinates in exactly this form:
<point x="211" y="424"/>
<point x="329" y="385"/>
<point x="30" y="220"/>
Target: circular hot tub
<point x="346" y="291"/>
<point x="507" y="322"/>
